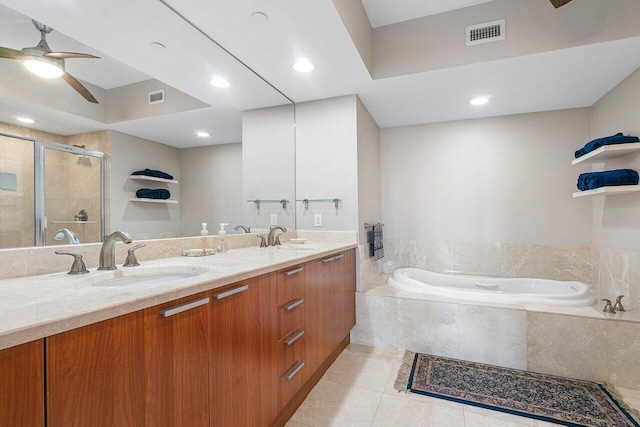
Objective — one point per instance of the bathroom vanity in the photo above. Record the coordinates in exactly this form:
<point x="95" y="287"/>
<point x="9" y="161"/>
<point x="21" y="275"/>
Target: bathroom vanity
<point x="239" y="349"/>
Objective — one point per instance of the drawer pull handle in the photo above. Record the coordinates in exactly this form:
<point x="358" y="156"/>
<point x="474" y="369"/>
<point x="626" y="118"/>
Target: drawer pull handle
<point x="230" y="292"/>
<point x="295" y="337"/>
<point x="167" y="312"/>
<point x="338" y="256"/>
<point x="294" y="271"/>
<point x="293" y="304"/>
<point x="329" y="259"/>
<point x="293" y="371"/>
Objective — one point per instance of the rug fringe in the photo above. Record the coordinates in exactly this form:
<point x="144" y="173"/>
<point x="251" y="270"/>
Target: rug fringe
<point x="402" y="380"/>
<point x="616" y="395"/>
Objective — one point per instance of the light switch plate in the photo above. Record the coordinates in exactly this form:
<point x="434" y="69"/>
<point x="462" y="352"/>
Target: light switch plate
<point x="317" y="220"/>
<point x="274" y="219"/>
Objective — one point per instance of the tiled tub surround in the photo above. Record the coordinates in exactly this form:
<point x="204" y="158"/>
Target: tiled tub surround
<point x="39" y="306"/>
<point x="574" y="342"/>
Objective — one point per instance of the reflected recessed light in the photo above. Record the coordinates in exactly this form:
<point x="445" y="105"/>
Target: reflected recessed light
<point x="202" y="134"/>
<point x="479" y="100"/>
<point x="25" y="120"/>
<point x="303" y="65"/>
<point x="219" y="82"/>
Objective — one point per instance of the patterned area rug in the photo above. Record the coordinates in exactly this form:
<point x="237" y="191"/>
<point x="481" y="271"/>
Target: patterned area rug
<point x="544" y="397"/>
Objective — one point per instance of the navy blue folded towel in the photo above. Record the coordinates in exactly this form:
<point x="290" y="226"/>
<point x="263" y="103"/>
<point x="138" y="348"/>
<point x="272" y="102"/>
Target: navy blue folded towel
<point x="591" y="180"/>
<point x="153" y="173"/>
<point x="618" y="138"/>
<point x="148" y="193"/>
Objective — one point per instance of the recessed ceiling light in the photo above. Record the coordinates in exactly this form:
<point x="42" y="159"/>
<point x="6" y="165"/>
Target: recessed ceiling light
<point x="157" y="46"/>
<point x="202" y="134"/>
<point x="479" y="100"/>
<point x="44" y="67"/>
<point x="303" y="65"/>
<point x="220" y="82"/>
<point x="259" y="17"/>
<point x="25" y="120"/>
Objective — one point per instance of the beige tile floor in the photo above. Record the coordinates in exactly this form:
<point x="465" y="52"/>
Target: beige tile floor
<point x="357" y="390"/>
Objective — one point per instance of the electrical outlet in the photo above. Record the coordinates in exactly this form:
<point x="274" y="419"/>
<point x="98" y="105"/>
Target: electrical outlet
<point x="317" y="220"/>
<point x="274" y="219"/>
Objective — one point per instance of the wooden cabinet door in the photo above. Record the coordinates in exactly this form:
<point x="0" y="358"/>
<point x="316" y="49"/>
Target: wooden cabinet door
<point x="176" y="361"/>
<point x="244" y="337"/>
<point x="22" y="385"/>
<point x="330" y="305"/>
<point x="95" y="374"/>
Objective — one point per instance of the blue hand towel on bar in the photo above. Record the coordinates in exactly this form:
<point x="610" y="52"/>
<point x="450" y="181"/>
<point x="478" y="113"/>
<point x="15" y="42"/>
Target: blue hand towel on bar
<point x="148" y="193"/>
<point x="618" y="138"/>
<point x="591" y="180"/>
<point x="153" y="173"/>
<point x="377" y="247"/>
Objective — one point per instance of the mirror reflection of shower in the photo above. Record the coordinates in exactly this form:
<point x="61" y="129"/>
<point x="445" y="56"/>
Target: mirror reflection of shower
<point x="50" y="193"/>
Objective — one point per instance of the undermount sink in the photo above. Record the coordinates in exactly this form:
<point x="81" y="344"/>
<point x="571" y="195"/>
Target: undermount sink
<point x="296" y="247"/>
<point x="144" y="276"/>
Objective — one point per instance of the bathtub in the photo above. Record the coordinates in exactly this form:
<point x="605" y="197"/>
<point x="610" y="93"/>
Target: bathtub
<point x="490" y="289"/>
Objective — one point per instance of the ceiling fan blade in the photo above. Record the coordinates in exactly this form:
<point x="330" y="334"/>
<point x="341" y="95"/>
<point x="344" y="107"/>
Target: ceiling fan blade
<point x="559" y="3"/>
<point x="69" y="55"/>
<point x="78" y="87"/>
<point x="5" y="52"/>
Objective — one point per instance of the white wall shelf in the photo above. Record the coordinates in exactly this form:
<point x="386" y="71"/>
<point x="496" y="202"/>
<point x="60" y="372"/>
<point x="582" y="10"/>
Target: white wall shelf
<point x="607" y="152"/>
<point x="608" y="191"/>
<point x="137" y="199"/>
<point x="74" y="222"/>
<point x="152" y="178"/>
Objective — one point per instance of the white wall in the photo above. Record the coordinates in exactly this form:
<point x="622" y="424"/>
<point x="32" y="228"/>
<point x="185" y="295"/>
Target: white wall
<point x="504" y="179"/>
<point x="269" y="169"/>
<point x="129" y="154"/>
<point x="368" y="171"/>
<point x="210" y="187"/>
<point x="354" y="17"/>
<point x="326" y="163"/>
<point x="616" y="220"/>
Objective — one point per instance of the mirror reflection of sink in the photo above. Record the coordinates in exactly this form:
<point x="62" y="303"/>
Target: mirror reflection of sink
<point x="294" y="247"/>
<point x="145" y="276"/>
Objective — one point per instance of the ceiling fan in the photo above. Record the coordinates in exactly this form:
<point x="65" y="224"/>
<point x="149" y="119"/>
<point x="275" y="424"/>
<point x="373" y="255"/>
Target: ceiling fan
<point x="41" y="61"/>
<point x="559" y="3"/>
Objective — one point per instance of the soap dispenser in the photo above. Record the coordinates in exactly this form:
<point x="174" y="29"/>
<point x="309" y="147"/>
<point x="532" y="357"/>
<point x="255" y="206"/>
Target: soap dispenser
<point x="222" y="245"/>
<point x="204" y="232"/>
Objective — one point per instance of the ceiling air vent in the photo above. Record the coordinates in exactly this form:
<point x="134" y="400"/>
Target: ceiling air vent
<point x="486" y="33"/>
<point x="156" y="97"/>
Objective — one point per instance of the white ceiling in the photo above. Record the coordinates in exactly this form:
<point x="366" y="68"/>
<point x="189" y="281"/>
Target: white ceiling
<point x="122" y="29"/>
<point x="385" y="12"/>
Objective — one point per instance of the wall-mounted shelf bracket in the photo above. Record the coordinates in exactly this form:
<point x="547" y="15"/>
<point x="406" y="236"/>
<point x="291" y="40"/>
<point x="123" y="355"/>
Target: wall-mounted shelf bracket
<point x="283" y="202"/>
<point x="307" y="201"/>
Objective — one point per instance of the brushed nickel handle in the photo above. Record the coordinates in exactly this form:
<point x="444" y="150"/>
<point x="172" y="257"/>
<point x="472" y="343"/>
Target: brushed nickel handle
<point x="167" y="312"/>
<point x="325" y="260"/>
<point x="78" y="266"/>
<point x="293" y="304"/>
<point x="294" y="271"/>
<point x="338" y="256"/>
<point x="230" y="292"/>
<point x="293" y="371"/>
<point x="295" y="337"/>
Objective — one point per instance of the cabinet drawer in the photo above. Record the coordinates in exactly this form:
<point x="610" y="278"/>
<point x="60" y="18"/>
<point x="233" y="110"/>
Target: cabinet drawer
<point x="291" y="366"/>
<point x="291" y="316"/>
<point x="290" y="284"/>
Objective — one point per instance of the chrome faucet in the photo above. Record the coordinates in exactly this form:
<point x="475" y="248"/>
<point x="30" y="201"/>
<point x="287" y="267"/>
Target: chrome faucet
<point x="618" y="305"/>
<point x="72" y="238"/>
<point x="272" y="239"/>
<point x="108" y="251"/>
<point x="243" y="228"/>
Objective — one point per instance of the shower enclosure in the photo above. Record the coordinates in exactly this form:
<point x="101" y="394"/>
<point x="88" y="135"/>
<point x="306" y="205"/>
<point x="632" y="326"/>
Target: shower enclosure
<point x="49" y="189"/>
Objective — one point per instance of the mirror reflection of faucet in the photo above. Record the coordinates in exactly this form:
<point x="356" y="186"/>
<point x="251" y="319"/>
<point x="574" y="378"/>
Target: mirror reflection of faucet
<point x="82" y="216"/>
<point x="72" y="238"/>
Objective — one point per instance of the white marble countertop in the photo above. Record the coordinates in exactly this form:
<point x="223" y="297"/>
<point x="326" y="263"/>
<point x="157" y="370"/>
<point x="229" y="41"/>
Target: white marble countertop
<point x="38" y="306"/>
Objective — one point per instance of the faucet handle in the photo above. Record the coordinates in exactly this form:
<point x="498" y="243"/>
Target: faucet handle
<point x="607" y="306"/>
<point x="618" y="305"/>
<point x="277" y="242"/>
<point x="78" y="266"/>
<point x="132" y="261"/>
<point x="263" y="241"/>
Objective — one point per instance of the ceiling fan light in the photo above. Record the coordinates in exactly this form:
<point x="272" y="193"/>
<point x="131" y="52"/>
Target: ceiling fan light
<point x="43" y="67"/>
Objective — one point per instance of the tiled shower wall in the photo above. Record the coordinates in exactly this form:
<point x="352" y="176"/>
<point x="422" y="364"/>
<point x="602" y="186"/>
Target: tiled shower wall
<point x="610" y="272"/>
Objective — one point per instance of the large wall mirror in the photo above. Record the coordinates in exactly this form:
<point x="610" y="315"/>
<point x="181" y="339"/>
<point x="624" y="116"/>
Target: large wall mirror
<point x="217" y="138"/>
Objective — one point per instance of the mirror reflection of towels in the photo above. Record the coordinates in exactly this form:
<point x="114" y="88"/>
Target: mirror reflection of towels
<point x="377" y="246"/>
